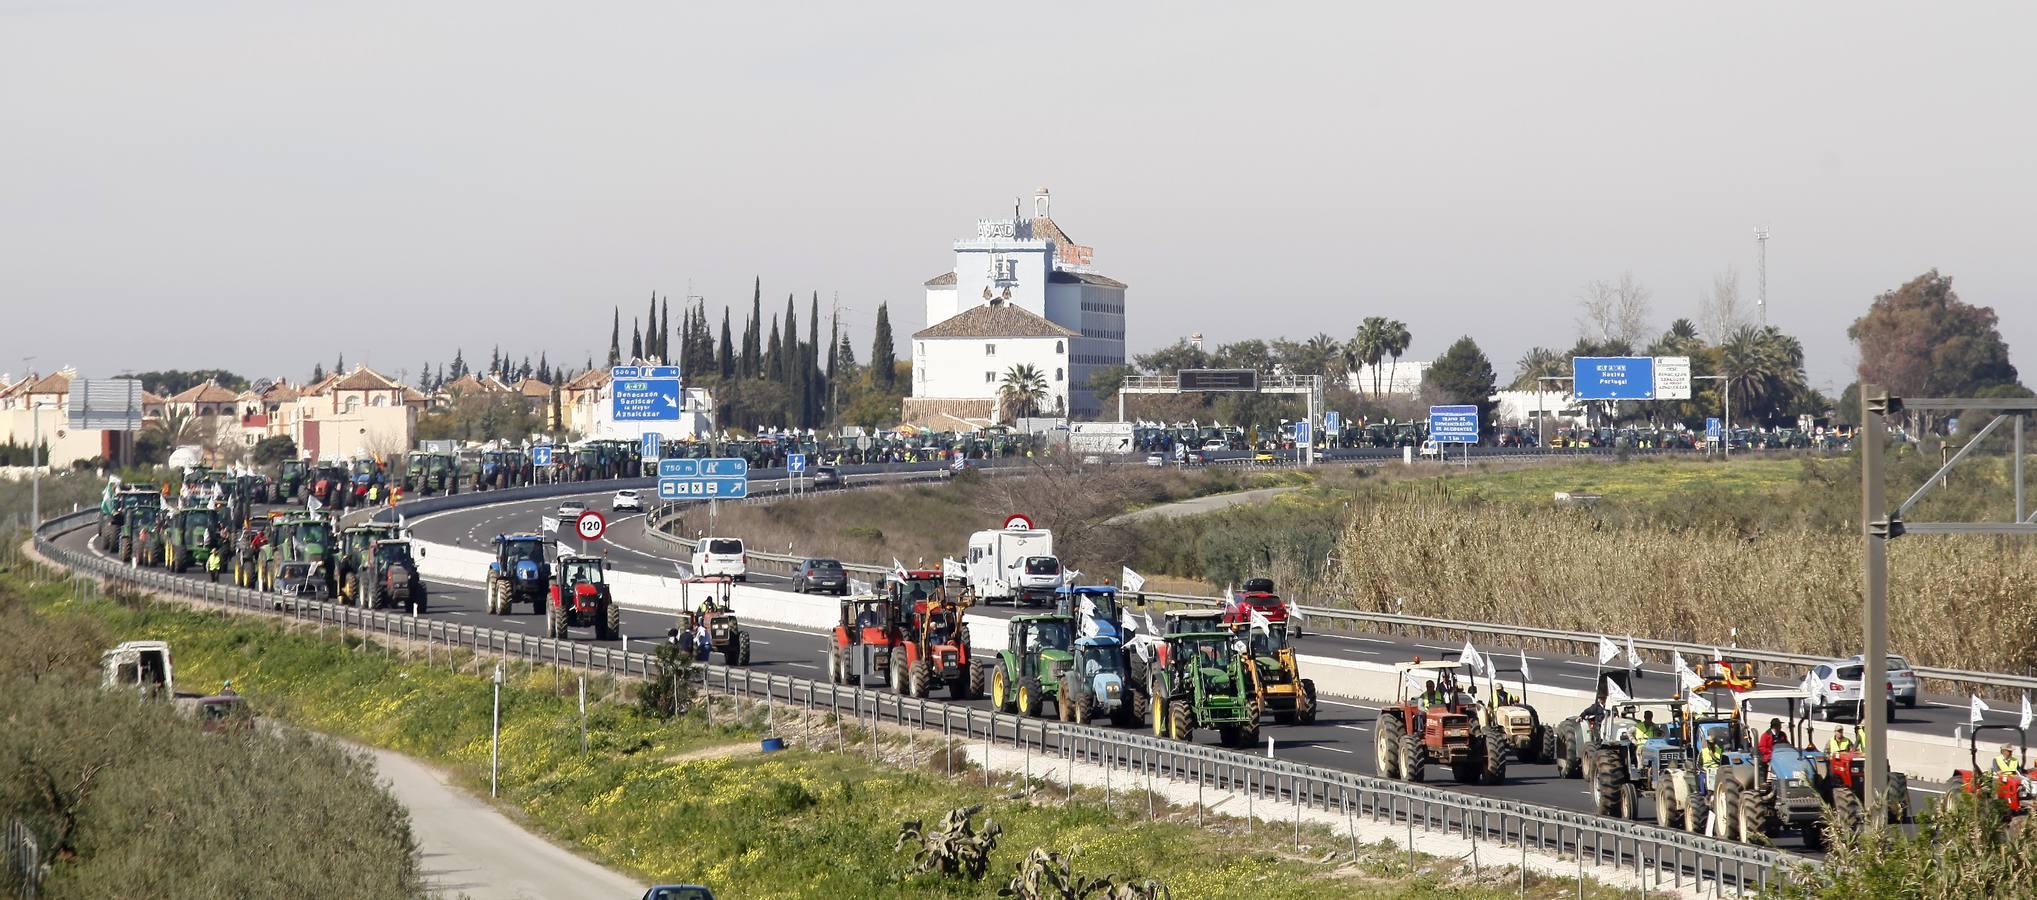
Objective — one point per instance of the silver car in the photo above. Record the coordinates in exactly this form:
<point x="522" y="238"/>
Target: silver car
<point x="1835" y="689"/>
<point x="1902" y="680"/>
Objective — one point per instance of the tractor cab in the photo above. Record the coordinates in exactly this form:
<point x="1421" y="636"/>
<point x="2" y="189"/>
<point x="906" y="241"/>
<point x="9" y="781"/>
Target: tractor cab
<point x="1095" y="607"/>
<point x="918" y="589"/>
<point x="1095" y="656"/>
<point x="576" y="569"/>
<point x="867" y="619"/>
<point x="1648" y="732"/>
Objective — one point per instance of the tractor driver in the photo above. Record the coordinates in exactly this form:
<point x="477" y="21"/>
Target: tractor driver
<point x="1839" y="742"/>
<point x="1500" y="697"/>
<point x="1431" y="696"/>
<point x="1712" y="755"/>
<point x="1646" y="729"/>
<point x="2005" y="762"/>
<point x="1771" y="739"/>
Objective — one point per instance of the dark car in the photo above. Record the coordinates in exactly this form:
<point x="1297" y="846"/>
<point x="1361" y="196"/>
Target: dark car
<point x="820" y="576"/>
<point x="827" y="477"/>
<point x="679" y="892"/>
<point x="224" y="712"/>
<point x="300" y="580"/>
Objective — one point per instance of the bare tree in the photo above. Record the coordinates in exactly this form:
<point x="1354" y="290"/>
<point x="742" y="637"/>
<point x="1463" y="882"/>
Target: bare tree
<point x="1615" y="311"/>
<point x="1720" y="312"/>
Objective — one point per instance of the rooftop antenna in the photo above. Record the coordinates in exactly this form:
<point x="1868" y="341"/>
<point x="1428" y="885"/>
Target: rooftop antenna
<point x="1761" y="272"/>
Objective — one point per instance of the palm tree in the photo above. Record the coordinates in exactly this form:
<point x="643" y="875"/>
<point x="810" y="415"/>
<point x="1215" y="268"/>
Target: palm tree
<point x="1023" y="390"/>
<point x="176" y="428"/>
<point x="1395" y="342"/>
<point x="1764" y="368"/>
<point x="1538" y="362"/>
<point x="1367" y="347"/>
<point x="1680" y="340"/>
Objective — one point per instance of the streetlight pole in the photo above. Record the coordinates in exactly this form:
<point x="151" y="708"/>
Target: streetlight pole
<point x="35" y="465"/>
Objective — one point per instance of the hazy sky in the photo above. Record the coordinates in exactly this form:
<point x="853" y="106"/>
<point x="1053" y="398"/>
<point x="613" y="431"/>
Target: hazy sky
<point x="258" y="185"/>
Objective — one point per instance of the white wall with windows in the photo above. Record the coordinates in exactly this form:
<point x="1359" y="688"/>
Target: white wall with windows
<point x="975" y="367"/>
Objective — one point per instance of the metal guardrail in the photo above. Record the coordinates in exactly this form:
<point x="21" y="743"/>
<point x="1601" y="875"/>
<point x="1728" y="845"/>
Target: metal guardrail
<point x="1669" y="857"/>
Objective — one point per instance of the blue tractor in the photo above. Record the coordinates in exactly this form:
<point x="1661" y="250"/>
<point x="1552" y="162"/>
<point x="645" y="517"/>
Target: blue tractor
<point x="519" y="574"/>
<point x="1094" y="686"/>
<point x="1629" y="749"/>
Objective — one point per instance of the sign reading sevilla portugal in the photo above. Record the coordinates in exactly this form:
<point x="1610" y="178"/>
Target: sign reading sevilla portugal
<point x="1018" y="522"/>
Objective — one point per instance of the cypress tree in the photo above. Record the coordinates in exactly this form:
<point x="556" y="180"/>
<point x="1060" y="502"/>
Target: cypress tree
<point x="771" y="352"/>
<point x="816" y="386"/>
<point x="726" y="357"/>
<point x="788" y="354"/>
<point x="651" y="329"/>
<point x="544" y="368"/>
<point x="424" y="378"/>
<point x="459" y="364"/>
<point x="317" y="372"/>
<point x="636" y="341"/>
<point x="614" y="341"/>
<point x="665" y="332"/>
<point x="883" y="358"/>
<point x="753" y="334"/>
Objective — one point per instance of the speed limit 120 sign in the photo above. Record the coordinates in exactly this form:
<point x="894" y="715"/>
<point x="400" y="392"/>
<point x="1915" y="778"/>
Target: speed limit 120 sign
<point x="590" y="525"/>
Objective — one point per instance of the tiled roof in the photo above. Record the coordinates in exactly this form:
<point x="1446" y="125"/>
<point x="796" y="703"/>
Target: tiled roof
<point x="531" y="387"/>
<point x="209" y="392"/>
<point x="466" y="384"/>
<point x="364" y="379"/>
<point x="592" y="379"/>
<point x="280" y="392"/>
<point x="941" y="280"/>
<point x="413" y="395"/>
<point x="1064" y="277"/>
<point x="321" y="386"/>
<point x="495" y="383"/>
<point x="54" y="383"/>
<point x="994" y="320"/>
<point x="1044" y="229"/>
<point x="148" y="399"/>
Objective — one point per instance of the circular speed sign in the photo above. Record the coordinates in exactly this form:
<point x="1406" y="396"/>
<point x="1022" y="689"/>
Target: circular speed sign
<point x="590" y="525"/>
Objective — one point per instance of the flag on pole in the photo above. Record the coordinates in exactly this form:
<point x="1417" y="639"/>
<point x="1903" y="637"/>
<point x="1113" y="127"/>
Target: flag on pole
<point x="1472" y="659"/>
<point x="1698" y="704"/>
<point x="1632" y="657"/>
<point x="548" y="523"/>
<point x="898" y="568"/>
<point x="311" y="504"/>
<point x="1607" y="650"/>
<point x="1613" y="692"/>
<point x="1150" y="627"/>
<point x="1524" y="666"/>
<point x="1260" y="622"/>
<point x="1978" y="710"/>
<point x="2024" y="722"/>
<point x="1132" y="581"/>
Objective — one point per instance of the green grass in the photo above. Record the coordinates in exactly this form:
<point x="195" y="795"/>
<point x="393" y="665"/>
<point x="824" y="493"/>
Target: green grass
<point x="680" y="800"/>
<point x="1633" y="481"/>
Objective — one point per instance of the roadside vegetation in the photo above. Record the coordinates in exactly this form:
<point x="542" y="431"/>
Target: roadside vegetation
<point x="127" y="798"/>
<point x="690" y="799"/>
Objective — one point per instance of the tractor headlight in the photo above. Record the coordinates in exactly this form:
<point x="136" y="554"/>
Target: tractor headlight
<point x="1456" y="732"/>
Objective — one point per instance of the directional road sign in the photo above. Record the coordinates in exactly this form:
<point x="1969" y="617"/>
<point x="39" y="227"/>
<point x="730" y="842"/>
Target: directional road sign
<point x="1453" y="424"/>
<point x="1302" y="434"/>
<point x="541" y="455"/>
<point x="1613" y="377"/>
<point x="653" y="445"/>
<point x="724" y="478"/>
<point x="645" y="393"/>
<point x="1333" y="422"/>
<point x="1672" y="378"/>
<point x="1712" y="428"/>
<point x="795" y="462"/>
<point x="590" y="525"/>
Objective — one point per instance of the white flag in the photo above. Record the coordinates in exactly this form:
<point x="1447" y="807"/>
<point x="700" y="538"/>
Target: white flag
<point x="548" y="523"/>
<point x="1151" y="628"/>
<point x="1614" y="694"/>
<point x="1524" y="667"/>
<point x="311" y="504"/>
<point x="1979" y="710"/>
<point x="1088" y="608"/>
<point x="1260" y="622"/>
<point x="1606" y="649"/>
<point x="1132" y="581"/>
<point x="898" y="568"/>
<point x="1632" y="657"/>
<point x="1472" y="659"/>
<point x="2024" y="723"/>
<point x="1698" y="704"/>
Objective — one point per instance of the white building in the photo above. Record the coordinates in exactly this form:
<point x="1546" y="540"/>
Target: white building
<point x="1029" y="265"/>
<point x="959" y="364"/>
<point x="1395" y="379"/>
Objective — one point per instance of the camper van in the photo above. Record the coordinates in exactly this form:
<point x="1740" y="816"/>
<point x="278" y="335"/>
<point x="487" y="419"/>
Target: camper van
<point x="1015" y="565"/>
<point x="143" y="666"/>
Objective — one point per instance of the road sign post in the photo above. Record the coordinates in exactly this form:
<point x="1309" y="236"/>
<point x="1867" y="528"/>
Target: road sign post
<point x="1304" y="439"/>
<point x="653" y="446"/>
<point x="644" y="393"/>
<point x="1454" y="425"/>
<point x="589" y="526"/>
<point x="703" y="479"/>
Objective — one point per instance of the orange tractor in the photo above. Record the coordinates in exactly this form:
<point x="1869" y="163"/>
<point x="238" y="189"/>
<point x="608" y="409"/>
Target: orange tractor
<point x="2014" y="787"/>
<point x="934" y="643"/>
<point x="865" y="641"/>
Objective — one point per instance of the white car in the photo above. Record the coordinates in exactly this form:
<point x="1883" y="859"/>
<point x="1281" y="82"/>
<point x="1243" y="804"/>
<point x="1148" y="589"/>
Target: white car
<point x="1836" y="690"/>
<point x="571" y="509"/>
<point x="626" y="499"/>
<point x="1431" y="449"/>
<point x="720" y="556"/>
<point x="1156" y="460"/>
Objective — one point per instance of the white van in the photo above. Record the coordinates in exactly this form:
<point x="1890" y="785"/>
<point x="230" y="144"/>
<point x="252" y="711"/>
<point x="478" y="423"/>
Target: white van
<point x="143" y="666"/>
<point x="1016" y="565"/>
<point x="720" y="556"/>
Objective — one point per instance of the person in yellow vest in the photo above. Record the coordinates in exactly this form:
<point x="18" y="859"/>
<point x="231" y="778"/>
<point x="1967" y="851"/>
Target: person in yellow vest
<point x="1646" y="728"/>
<point x="1712" y="754"/>
<point x="1839" y="743"/>
<point x="2005" y="762"/>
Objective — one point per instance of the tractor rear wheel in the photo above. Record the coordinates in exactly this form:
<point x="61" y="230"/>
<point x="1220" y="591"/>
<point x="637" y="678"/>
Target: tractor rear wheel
<point x="899" y="685"/>
<point x="418" y="599"/>
<point x="1029" y="697"/>
<point x="1694" y="811"/>
<point x="1078" y="706"/>
<point x="738" y="652"/>
<point x="1248" y="734"/>
<point x="1665" y="808"/>
<point x="1846" y="817"/>
<point x="350" y="591"/>
<point x="1757" y="815"/>
<point x="1566" y="765"/>
<point x="555" y="623"/>
<point x="1898" y="797"/>
<point x="1630" y="801"/>
<point x="1386" y="747"/>
<point x="610" y="626"/>
<point x="1000" y="691"/>
<point x="834" y="668"/>
<point x="1608" y="773"/>
<point x="1305" y="703"/>
<point x="1414" y="758"/>
<point x="1726" y="808"/>
<point x="974" y="687"/>
<point x="1180" y="722"/>
<point x="1495" y="757"/>
<point x="918" y="681"/>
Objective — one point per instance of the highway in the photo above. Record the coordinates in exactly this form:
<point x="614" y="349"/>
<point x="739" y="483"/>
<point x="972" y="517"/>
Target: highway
<point x="1340" y="739"/>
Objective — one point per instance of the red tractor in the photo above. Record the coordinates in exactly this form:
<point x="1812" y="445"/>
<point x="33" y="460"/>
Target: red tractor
<point x="580" y="597"/>
<point x="864" y="641"/>
<point x="935" y="649"/>
<point x="2014" y="787"/>
<point x="714" y="613"/>
<point x="1421" y="728"/>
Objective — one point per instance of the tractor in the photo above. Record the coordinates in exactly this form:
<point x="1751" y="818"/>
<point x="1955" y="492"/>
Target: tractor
<point x="289" y="480"/>
<point x="1095" y="684"/>
<point x="936" y="648"/>
<point x="1627" y="752"/>
<point x="2015" y="789"/>
<point x="386" y="576"/>
<point x="1517" y="721"/>
<point x="1789" y="790"/>
<point x="356" y="543"/>
<point x="1696" y="791"/>
<point x="426" y="474"/>
<point x="330" y="485"/>
<point x="300" y="538"/>
<point x="192" y="537"/>
<point x="141" y="535"/>
<point x="518" y="574"/>
<point x="716" y="614"/>
<point x="1277" y="685"/>
<point x="863" y="641"/>
<point x="247" y="551"/>
<point x="1099" y="613"/>
<point x="1204" y="684"/>
<point x="581" y="598"/>
<point x="113" y="514"/>
<point x="1432" y="721"/>
<point x="1038" y="654"/>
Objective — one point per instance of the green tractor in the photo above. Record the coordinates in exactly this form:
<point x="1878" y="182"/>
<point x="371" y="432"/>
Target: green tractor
<point x="356" y="548"/>
<point x="1030" y="669"/>
<point x="386" y="576"/>
<point x="1204" y="684"/>
<point x="113" y="514"/>
<point x="192" y="537"/>
<point x="428" y="474"/>
<point x="141" y="535"/>
<point x="290" y="481"/>
<point x="300" y="538"/>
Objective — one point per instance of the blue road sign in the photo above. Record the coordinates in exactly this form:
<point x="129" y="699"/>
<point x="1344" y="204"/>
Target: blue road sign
<point x="795" y="462"/>
<point x="729" y="466"/>
<point x="1713" y="427"/>
<point x="678" y="468"/>
<point x="1613" y="377"/>
<point x="717" y="488"/>
<point x="1333" y="422"/>
<point x="1301" y="434"/>
<point x="541" y="455"/>
<point x="653" y="444"/>
<point x="645" y="394"/>
<point x="1453" y="424"/>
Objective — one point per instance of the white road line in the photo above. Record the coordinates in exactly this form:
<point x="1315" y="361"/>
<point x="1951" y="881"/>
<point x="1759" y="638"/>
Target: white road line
<point x="455" y="612"/>
<point x="1332" y="749"/>
<point x="1347" y="637"/>
<point x="1352" y="705"/>
<point x="1355" y="727"/>
<point x="803" y="665"/>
